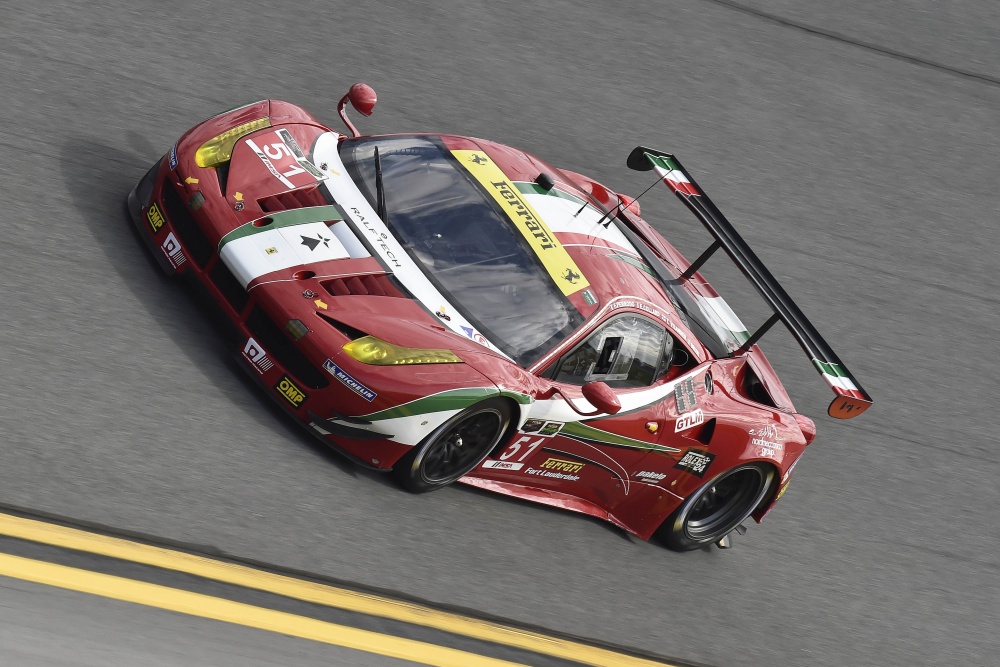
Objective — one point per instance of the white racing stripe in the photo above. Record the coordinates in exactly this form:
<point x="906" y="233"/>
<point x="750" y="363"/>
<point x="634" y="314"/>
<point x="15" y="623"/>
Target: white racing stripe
<point x="271" y="250"/>
<point x="560" y="216"/>
<point x="345" y="192"/>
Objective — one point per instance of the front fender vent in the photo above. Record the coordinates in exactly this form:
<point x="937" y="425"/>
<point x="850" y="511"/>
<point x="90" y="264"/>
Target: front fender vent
<point x="369" y="285"/>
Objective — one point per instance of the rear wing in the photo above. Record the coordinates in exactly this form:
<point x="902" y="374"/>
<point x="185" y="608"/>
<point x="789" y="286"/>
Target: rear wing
<point x="851" y="400"/>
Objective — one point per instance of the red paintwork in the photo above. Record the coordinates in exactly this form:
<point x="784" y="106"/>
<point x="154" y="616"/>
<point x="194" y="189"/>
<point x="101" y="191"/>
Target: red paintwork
<point x="633" y="488"/>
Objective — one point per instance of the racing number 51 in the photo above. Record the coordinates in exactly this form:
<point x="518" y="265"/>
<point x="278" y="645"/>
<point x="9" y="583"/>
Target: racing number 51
<point x="515" y="447"/>
<point x="279" y="150"/>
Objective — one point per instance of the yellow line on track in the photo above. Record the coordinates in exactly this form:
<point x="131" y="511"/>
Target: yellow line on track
<point x="324" y="594"/>
<point x="206" y="606"/>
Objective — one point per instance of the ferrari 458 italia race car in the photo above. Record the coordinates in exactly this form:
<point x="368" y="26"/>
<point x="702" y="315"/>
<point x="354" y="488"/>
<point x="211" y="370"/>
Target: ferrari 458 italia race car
<point x="452" y="309"/>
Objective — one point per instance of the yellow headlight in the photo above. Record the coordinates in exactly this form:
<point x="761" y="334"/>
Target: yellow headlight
<point x="371" y="350"/>
<point x="219" y="149"/>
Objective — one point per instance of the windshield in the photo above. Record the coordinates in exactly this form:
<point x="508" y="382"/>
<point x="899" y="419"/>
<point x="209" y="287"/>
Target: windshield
<point x="463" y="243"/>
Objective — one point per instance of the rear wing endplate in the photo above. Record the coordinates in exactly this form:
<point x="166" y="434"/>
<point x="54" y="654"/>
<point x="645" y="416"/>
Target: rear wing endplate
<point x="851" y="400"/>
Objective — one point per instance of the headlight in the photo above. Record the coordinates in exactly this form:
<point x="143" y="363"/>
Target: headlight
<point x="371" y="350"/>
<point x="219" y="149"/>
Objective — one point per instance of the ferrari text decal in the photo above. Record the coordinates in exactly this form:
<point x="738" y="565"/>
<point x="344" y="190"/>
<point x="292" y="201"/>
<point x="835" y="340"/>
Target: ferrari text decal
<point x="172" y="249"/>
<point x="689" y="419"/>
<point x="348" y="381"/>
<point x="695" y="461"/>
<point x="560" y="266"/>
<point x="290" y="391"/>
<point x="257" y="357"/>
<point x="154" y="217"/>
<point x="558" y="469"/>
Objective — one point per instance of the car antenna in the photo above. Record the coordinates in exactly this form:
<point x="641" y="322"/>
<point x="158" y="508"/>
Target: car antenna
<point x="621" y="203"/>
<point x="379" y="189"/>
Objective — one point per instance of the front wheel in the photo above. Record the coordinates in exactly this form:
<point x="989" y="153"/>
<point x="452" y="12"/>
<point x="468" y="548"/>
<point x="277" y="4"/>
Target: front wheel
<point x="455" y="447"/>
<point x="715" y="509"/>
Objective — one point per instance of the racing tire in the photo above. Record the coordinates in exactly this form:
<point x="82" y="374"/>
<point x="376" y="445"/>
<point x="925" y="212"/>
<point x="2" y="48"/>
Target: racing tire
<point x="455" y="447"/>
<point x="717" y="507"/>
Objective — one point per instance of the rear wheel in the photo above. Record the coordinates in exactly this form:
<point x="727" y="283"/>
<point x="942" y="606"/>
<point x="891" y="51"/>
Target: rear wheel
<point x="455" y="447"/>
<point x="715" y="509"/>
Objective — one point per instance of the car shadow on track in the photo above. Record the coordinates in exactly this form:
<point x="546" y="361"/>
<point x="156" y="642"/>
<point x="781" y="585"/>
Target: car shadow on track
<point x="98" y="177"/>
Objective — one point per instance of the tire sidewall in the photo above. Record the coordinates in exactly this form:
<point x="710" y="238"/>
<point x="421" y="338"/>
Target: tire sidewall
<point x="408" y="471"/>
<point x="673" y="531"/>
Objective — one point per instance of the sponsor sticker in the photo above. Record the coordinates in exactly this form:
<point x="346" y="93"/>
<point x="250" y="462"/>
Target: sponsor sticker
<point x="257" y="357"/>
<point x="171" y="247"/>
<point x="649" y="476"/>
<point x="155" y="217"/>
<point x="765" y="439"/>
<point x="502" y="465"/>
<point x="348" y="381"/>
<point x="695" y="461"/>
<point x="290" y="391"/>
<point x="541" y="427"/>
<point x="589" y="298"/>
<point x="685" y="396"/>
<point x="688" y="420"/>
<point x="172" y="159"/>
<point x="557" y="469"/>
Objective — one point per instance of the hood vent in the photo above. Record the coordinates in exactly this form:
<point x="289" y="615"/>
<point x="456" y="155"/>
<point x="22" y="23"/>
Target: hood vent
<point x="368" y="285"/>
<point x="293" y="199"/>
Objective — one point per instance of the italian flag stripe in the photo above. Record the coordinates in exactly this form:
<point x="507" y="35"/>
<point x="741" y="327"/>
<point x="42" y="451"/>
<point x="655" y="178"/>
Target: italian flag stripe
<point x="298" y="216"/>
<point x="836" y="377"/>
<point x="671" y="174"/>
<point x="527" y="188"/>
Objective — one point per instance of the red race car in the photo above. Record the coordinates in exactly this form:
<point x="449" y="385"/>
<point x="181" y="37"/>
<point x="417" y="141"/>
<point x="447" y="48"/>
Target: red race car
<point x="452" y="309"/>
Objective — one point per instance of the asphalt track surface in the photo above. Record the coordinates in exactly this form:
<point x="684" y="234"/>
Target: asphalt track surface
<point x="854" y="145"/>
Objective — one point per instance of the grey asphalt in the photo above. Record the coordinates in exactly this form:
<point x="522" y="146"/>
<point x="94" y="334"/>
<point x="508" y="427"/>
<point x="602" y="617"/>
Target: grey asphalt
<point x="854" y="145"/>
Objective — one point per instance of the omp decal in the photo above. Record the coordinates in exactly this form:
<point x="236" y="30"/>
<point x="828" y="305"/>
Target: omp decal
<point x="348" y="381"/>
<point x="171" y="247"/>
<point x="257" y="357"/>
<point x="688" y="420"/>
<point x="290" y="391"/>
<point x="671" y="175"/>
<point x="290" y="238"/>
<point x="695" y="461"/>
<point x="560" y="266"/>
<point x="365" y="220"/>
<point x="155" y="217"/>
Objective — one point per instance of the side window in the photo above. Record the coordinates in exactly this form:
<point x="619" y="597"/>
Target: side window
<point x="628" y="351"/>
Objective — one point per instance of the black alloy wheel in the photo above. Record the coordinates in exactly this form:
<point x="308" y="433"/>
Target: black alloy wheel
<point x="714" y="510"/>
<point x="455" y="447"/>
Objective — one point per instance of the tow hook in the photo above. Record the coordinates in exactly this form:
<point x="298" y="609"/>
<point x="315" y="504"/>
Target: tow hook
<point x="726" y="542"/>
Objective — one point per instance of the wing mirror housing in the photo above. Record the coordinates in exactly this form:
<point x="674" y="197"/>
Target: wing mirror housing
<point x="601" y="397"/>
<point x="363" y="98"/>
<point x="597" y="394"/>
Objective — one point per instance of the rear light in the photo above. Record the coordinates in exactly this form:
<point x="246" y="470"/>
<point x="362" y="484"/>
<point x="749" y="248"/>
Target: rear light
<point x="219" y="149"/>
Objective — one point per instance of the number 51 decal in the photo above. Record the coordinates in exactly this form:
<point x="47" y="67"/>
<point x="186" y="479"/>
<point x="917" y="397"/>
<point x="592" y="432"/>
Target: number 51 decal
<point x="518" y="445"/>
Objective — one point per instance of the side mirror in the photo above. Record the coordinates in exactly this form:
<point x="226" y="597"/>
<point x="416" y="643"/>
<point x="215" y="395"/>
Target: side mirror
<point x="363" y="98"/>
<point x="601" y="397"/>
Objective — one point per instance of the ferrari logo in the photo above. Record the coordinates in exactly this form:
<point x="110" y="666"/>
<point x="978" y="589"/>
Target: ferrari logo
<point x="478" y="159"/>
<point x="570" y="276"/>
